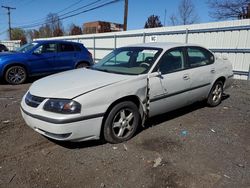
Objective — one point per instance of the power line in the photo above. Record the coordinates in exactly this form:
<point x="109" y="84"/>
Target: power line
<point x="81" y="8"/>
<point x="73" y="4"/>
<point x="72" y="15"/>
<point x="44" y="18"/>
<point x="34" y="24"/>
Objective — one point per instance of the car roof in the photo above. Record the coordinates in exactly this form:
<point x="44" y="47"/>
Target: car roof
<point x="56" y="41"/>
<point x="163" y="45"/>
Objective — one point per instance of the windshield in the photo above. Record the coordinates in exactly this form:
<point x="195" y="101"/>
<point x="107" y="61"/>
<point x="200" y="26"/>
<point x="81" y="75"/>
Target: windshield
<point x="26" y="47"/>
<point x="129" y="60"/>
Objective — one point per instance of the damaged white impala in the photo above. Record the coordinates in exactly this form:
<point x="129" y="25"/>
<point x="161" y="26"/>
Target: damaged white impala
<point x="115" y="96"/>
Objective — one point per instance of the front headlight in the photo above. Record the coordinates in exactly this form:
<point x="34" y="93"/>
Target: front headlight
<point x="63" y="106"/>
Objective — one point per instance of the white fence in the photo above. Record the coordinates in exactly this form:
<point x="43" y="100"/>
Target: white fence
<point x="11" y="45"/>
<point x="229" y="38"/>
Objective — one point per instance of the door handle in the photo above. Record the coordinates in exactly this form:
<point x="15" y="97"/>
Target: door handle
<point x="186" y="77"/>
<point x="212" y="71"/>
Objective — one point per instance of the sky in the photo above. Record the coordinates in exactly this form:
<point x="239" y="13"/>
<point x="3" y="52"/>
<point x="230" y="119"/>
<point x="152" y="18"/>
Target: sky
<point x="33" y="11"/>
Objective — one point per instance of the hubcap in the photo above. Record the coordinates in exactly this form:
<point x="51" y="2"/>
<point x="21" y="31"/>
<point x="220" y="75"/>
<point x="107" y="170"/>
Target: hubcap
<point x="123" y="123"/>
<point x="217" y="93"/>
<point x="16" y="75"/>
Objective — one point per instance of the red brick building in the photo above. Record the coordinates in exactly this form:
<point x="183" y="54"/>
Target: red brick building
<point x="101" y="27"/>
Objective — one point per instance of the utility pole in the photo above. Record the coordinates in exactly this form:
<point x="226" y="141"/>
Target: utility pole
<point x="9" y="8"/>
<point x="125" y="16"/>
<point x="165" y="13"/>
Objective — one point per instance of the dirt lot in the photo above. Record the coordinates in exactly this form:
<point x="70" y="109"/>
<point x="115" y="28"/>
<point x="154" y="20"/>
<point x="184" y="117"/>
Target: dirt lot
<point x="193" y="147"/>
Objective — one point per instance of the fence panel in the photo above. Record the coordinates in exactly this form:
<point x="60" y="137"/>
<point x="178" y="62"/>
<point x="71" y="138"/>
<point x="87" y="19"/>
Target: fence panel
<point x="229" y="38"/>
<point x="11" y="45"/>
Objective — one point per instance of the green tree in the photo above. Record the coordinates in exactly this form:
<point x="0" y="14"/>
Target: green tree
<point x="153" y="21"/>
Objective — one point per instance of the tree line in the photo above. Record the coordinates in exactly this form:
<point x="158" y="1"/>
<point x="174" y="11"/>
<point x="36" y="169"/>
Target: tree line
<point x="185" y="14"/>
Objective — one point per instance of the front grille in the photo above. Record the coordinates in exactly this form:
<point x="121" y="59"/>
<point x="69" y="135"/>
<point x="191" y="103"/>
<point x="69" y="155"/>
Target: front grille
<point x="33" y="101"/>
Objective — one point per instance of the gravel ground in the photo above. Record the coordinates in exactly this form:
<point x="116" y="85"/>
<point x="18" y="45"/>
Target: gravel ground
<point x="195" y="147"/>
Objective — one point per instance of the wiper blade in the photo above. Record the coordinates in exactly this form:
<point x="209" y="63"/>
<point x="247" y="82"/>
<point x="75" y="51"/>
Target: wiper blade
<point x="103" y="70"/>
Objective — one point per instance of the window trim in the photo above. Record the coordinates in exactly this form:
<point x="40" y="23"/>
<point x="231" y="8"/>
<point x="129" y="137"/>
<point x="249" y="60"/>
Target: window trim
<point x="197" y="47"/>
<point x="64" y="43"/>
<point x="156" y="68"/>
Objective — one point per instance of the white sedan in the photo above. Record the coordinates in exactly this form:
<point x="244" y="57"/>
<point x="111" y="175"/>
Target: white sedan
<point x="112" y="98"/>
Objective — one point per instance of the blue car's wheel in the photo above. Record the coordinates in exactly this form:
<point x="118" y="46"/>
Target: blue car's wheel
<point x="82" y="65"/>
<point x="15" y="75"/>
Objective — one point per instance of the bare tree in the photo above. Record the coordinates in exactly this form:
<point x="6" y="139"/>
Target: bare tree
<point x="45" y="31"/>
<point x="54" y="23"/>
<point x="75" y="30"/>
<point x="52" y="27"/>
<point x="153" y="21"/>
<point x="186" y="14"/>
<point x="228" y="9"/>
<point x="32" y="34"/>
<point x="18" y="34"/>
<point x="173" y="19"/>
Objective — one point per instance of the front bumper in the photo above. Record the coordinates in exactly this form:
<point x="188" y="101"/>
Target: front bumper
<point x="80" y="130"/>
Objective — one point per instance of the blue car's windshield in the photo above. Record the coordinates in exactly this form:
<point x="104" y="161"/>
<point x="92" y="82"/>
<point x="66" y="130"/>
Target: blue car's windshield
<point x="129" y="60"/>
<point x="26" y="47"/>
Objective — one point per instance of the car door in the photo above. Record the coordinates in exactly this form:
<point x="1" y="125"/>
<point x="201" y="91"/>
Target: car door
<point x="66" y="58"/>
<point x="169" y="90"/>
<point x="42" y="59"/>
<point x="202" y="72"/>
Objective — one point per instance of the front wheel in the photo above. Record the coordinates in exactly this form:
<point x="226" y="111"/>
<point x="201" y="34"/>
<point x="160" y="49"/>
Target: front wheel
<point x="15" y="75"/>
<point x="82" y="65"/>
<point x="215" y="95"/>
<point x="121" y="123"/>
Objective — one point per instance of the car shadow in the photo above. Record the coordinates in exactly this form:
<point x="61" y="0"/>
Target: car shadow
<point x="28" y="81"/>
<point x="151" y="122"/>
<point x="78" y="145"/>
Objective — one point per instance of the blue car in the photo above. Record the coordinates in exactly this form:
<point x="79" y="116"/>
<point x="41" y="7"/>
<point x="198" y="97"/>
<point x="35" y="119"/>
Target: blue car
<point x="42" y="58"/>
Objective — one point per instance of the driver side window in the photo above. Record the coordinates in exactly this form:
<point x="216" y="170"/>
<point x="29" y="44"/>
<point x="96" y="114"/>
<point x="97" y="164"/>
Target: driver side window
<point x="172" y="61"/>
<point x="46" y="48"/>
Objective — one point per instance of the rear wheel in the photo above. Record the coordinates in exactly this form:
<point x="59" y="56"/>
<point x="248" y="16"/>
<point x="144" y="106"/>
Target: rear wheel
<point x="82" y="65"/>
<point x="215" y="95"/>
<point x="121" y="123"/>
<point x="15" y="75"/>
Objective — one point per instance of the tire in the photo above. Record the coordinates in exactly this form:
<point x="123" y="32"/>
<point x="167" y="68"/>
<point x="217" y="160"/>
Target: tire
<point x="82" y="65"/>
<point x="121" y="123"/>
<point x="215" y="95"/>
<point x="15" y="75"/>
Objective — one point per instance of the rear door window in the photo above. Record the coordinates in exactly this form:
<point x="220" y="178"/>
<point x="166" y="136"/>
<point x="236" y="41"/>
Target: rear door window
<point x="46" y="48"/>
<point x="66" y="47"/>
<point x="199" y="57"/>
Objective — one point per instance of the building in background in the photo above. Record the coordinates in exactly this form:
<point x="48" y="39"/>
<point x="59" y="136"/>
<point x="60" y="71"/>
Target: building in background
<point x="101" y="27"/>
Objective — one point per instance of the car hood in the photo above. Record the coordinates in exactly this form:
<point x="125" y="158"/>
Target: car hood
<point x="10" y="55"/>
<point x="73" y="83"/>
